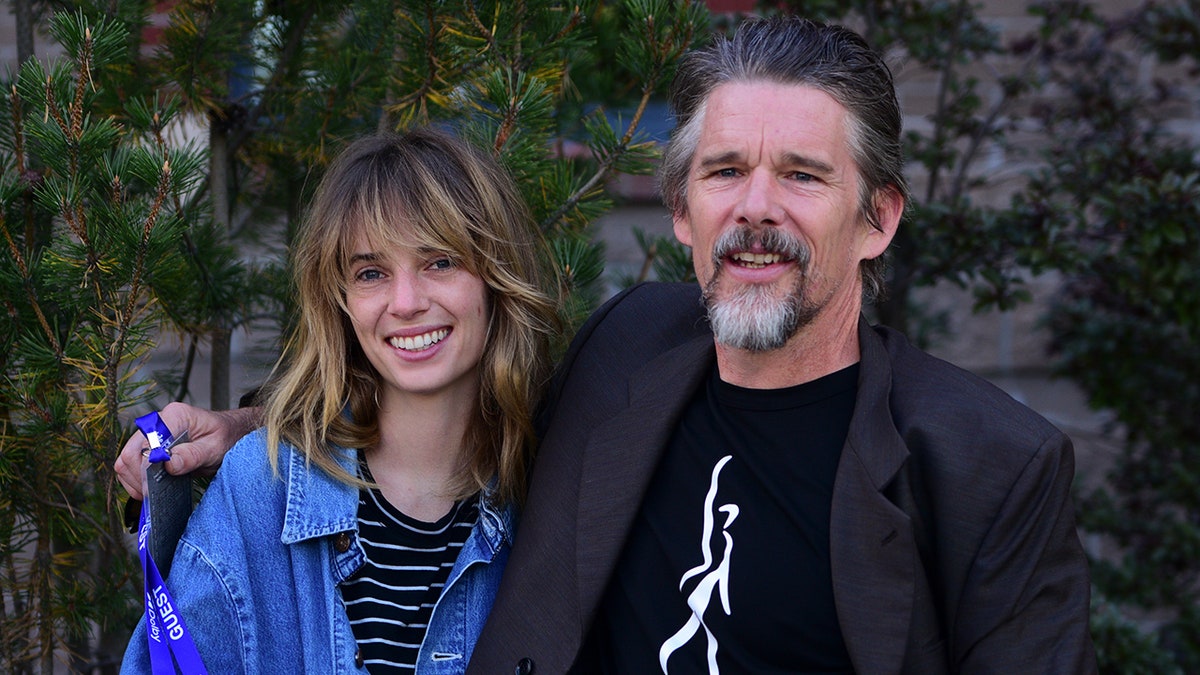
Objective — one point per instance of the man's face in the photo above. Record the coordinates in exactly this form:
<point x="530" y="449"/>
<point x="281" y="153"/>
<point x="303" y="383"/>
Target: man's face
<point x="772" y="213"/>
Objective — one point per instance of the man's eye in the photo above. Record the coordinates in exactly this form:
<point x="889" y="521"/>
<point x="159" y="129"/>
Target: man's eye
<point x="727" y="173"/>
<point x="803" y="177"/>
<point x="441" y="264"/>
<point x="369" y="275"/>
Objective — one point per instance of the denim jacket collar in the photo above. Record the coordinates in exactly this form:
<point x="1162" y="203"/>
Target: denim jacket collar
<point x="320" y="505"/>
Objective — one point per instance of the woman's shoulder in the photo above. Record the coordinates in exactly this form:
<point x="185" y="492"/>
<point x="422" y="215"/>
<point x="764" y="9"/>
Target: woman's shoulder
<point x="246" y="472"/>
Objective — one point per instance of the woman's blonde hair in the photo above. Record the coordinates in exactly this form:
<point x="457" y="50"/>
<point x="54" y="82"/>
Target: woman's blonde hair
<point x="426" y="189"/>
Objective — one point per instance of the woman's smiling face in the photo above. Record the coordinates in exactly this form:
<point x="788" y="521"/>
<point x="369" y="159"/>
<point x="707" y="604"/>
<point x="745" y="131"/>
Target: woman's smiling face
<point x="420" y="318"/>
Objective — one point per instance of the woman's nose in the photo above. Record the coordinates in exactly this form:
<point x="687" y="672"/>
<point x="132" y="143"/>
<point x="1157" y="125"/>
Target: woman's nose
<point x="408" y="296"/>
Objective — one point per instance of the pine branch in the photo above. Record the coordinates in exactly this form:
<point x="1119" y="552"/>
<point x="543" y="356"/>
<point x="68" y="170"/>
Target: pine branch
<point x="519" y="27"/>
<point x="206" y="10"/>
<point x="30" y="291"/>
<point x="84" y="76"/>
<point x="188" y="362"/>
<point x="433" y="67"/>
<point x="101" y="529"/>
<point x="112" y="362"/>
<point x="664" y="53"/>
<point x="52" y="110"/>
<point x="488" y="34"/>
<point x="275" y="83"/>
<point x="18" y="130"/>
<point x="18" y="125"/>
<point x="570" y="26"/>
<point x="605" y="167"/>
<point x="164" y="184"/>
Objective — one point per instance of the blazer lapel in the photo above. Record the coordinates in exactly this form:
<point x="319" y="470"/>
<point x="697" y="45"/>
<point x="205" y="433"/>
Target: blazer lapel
<point x="621" y="456"/>
<point x="872" y="547"/>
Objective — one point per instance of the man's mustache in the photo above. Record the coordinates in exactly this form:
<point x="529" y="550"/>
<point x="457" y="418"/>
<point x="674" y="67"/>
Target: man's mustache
<point x="760" y="240"/>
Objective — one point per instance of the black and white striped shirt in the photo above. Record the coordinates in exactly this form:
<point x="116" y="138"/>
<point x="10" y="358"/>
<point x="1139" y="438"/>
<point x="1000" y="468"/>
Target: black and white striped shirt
<point x="391" y="597"/>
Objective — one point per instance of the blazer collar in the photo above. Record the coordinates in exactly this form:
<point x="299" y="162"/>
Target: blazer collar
<point x="873" y="550"/>
<point x="621" y="456"/>
<point x="873" y="439"/>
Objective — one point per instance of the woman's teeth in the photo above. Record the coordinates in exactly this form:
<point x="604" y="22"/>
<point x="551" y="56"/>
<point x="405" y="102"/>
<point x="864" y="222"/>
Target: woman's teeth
<point x="417" y="343"/>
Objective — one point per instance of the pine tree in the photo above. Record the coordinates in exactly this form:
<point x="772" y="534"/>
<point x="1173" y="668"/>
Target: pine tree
<point x="93" y="216"/>
<point x="116" y="232"/>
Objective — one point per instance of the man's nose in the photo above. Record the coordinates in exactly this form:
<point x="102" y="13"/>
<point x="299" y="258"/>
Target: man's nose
<point x="760" y="203"/>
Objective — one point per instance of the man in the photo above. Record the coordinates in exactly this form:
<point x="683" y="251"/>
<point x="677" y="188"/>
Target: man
<point x="783" y="488"/>
<point x="794" y="490"/>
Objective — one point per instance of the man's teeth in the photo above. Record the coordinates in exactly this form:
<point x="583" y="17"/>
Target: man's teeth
<point x="418" y="342"/>
<point x="756" y="259"/>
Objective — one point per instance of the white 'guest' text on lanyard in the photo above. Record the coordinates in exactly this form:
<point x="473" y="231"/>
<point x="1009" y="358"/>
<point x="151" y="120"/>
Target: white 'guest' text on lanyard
<point x="171" y="648"/>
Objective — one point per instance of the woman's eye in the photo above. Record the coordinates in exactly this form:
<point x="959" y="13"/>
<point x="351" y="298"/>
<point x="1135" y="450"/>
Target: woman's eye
<point x="369" y="275"/>
<point x="441" y="264"/>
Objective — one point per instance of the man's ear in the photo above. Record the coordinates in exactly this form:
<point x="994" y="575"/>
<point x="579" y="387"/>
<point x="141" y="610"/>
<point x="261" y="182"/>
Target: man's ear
<point x="889" y="209"/>
<point x="683" y="227"/>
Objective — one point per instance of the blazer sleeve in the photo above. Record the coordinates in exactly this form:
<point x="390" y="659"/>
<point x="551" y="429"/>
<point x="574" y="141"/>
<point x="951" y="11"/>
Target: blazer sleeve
<point x="1025" y="603"/>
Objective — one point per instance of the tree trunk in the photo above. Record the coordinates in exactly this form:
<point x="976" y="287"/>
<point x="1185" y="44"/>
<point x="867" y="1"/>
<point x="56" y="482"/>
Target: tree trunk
<point x="218" y="177"/>
<point x="110" y="647"/>
<point x="40" y="576"/>
<point x="23" y="11"/>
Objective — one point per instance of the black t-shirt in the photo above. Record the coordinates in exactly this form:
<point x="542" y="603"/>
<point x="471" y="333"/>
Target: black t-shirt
<point x="727" y="564"/>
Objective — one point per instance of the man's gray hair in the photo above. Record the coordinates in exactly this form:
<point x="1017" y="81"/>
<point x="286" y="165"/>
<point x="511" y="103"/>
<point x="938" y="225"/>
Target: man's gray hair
<point x="796" y="51"/>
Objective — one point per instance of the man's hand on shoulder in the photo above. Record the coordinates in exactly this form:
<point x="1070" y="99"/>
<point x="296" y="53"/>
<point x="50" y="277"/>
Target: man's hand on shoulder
<point x="210" y="435"/>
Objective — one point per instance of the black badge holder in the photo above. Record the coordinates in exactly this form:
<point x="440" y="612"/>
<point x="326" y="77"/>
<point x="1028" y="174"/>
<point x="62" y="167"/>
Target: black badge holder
<point x="168" y="504"/>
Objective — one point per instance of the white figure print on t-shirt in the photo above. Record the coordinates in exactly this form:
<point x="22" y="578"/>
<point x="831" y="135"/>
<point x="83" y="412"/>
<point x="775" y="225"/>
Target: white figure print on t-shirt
<point x="716" y="579"/>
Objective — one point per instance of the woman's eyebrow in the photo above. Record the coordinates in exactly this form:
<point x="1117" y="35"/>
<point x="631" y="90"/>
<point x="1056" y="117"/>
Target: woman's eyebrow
<point x="364" y="257"/>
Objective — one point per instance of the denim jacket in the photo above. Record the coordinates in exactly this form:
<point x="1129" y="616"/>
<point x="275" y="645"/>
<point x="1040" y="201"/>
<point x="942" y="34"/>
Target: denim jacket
<point x="255" y="575"/>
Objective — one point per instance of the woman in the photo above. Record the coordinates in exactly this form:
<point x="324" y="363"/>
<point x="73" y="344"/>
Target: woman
<point x="368" y="522"/>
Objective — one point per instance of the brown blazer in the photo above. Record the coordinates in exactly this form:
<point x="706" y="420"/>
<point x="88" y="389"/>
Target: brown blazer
<point x="953" y="539"/>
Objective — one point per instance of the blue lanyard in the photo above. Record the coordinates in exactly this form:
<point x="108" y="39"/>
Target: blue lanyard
<point x="168" y="637"/>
